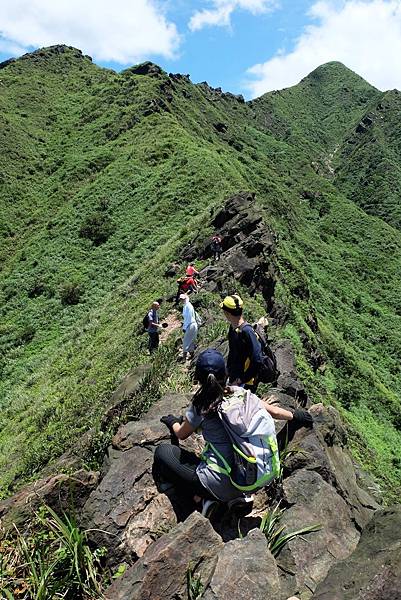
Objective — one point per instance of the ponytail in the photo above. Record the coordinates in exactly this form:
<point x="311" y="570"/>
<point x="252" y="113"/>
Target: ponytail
<point x="209" y="396"/>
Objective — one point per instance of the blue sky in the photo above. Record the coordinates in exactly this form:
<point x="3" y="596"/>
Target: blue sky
<point x="244" y="46"/>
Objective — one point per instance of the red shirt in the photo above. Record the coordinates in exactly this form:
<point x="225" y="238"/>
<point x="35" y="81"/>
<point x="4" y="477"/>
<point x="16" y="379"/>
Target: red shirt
<point x="191" y="270"/>
<point x="187" y="283"/>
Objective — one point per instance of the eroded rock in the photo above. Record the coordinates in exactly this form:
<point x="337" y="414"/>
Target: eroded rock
<point x="306" y="560"/>
<point x="323" y="449"/>
<point x="373" y="571"/>
<point x="245" y="569"/>
<point x="61" y="492"/>
<point x="161" y="574"/>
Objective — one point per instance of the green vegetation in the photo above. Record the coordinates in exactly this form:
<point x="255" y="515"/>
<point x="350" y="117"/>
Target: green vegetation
<point x="276" y="535"/>
<point x="52" y="560"/>
<point x="104" y="177"/>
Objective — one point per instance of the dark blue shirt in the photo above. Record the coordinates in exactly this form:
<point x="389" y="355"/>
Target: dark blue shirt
<point x="245" y="353"/>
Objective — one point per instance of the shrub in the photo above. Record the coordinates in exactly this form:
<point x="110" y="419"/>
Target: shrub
<point x="97" y="227"/>
<point x="70" y="293"/>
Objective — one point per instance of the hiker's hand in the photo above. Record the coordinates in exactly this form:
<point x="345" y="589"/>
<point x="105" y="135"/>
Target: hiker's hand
<point x="303" y="418"/>
<point x="170" y="420"/>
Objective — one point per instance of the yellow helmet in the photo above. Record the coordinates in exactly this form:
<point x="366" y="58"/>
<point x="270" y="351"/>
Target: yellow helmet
<point x="232" y="304"/>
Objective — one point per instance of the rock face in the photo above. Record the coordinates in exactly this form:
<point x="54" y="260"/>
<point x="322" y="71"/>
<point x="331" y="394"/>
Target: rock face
<point x="323" y="449"/>
<point x="163" y="572"/>
<point x="60" y="492"/>
<point x="126" y="506"/>
<point x="373" y="571"/>
<point x="307" y="559"/>
<point x="245" y="569"/>
<point x="248" y="247"/>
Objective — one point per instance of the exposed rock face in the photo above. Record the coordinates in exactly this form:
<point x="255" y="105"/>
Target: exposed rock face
<point x="311" y="501"/>
<point x="60" y="492"/>
<point x="323" y="449"/>
<point x="245" y="569"/>
<point x="127" y="388"/>
<point x="163" y="571"/>
<point x="248" y="246"/>
<point x="373" y="571"/>
<point x="126" y="504"/>
<point x="288" y="380"/>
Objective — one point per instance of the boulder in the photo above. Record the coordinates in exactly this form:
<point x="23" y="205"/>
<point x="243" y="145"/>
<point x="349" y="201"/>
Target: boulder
<point x="323" y="449"/>
<point x="306" y="560"/>
<point x="288" y="380"/>
<point x="126" y="513"/>
<point x="61" y="492"/>
<point x="245" y="569"/>
<point x="163" y="571"/>
<point x="128" y="387"/>
<point x="373" y="571"/>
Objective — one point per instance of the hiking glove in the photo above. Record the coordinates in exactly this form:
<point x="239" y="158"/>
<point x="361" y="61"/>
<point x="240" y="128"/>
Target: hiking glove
<point x="303" y="418"/>
<point x="169" y="420"/>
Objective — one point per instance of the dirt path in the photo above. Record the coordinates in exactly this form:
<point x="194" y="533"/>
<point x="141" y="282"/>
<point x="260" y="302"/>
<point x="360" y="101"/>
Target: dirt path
<point x="174" y="322"/>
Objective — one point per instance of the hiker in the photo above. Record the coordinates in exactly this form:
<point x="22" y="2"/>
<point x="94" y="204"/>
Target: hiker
<point x="216" y="246"/>
<point x="245" y="356"/>
<point x="189" y="327"/>
<point x="186" y="285"/>
<point x="190" y="271"/>
<point x="213" y="477"/>
<point x="153" y="327"/>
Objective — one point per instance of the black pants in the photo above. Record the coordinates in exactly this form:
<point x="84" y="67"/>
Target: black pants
<point x="153" y="343"/>
<point x="175" y="465"/>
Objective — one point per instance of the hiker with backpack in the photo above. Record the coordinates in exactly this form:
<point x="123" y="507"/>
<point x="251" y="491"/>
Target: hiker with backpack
<point x="189" y="327"/>
<point x="186" y="285"/>
<point x="250" y="360"/>
<point x="216" y="246"/>
<point x="152" y="325"/>
<point x="241" y="453"/>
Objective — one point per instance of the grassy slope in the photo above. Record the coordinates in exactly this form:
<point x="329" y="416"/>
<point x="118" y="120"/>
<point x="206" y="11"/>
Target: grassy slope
<point x="368" y="164"/>
<point x="144" y="153"/>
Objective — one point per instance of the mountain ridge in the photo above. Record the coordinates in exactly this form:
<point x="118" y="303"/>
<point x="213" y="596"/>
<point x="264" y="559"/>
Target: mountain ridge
<point x="136" y="162"/>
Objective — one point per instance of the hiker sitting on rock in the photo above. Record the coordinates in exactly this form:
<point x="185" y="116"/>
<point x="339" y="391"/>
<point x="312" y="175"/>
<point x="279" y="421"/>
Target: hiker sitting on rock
<point x="224" y="414"/>
<point x="216" y="246"/>
<point x="186" y="285"/>
<point x="189" y="327"/>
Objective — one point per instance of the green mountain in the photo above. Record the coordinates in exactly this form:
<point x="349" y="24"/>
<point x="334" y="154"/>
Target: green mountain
<point x="106" y="176"/>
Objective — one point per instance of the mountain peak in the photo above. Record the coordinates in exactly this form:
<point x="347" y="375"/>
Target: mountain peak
<point x="335" y="72"/>
<point x="51" y="52"/>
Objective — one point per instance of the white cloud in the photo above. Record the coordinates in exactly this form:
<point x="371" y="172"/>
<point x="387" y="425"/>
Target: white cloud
<point x="221" y="10"/>
<point x="363" y="34"/>
<point x="124" y="31"/>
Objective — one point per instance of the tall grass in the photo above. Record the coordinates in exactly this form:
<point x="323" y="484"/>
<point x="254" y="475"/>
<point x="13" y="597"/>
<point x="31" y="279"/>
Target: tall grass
<point x="51" y="560"/>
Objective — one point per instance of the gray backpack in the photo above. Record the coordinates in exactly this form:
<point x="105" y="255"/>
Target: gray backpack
<point x="252" y="433"/>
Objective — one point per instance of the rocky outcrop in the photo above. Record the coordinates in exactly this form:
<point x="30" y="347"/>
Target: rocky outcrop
<point x="288" y="380"/>
<point x="188" y="552"/>
<point x="248" y="249"/>
<point x="324" y="450"/>
<point x="373" y="571"/>
<point x="126" y="512"/>
<point x="61" y="492"/>
<point x="245" y="569"/>
<point x="306" y="560"/>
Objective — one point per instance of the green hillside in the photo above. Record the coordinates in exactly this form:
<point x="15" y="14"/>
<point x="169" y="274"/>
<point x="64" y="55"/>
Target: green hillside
<point x="105" y="177"/>
<point x="368" y="167"/>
